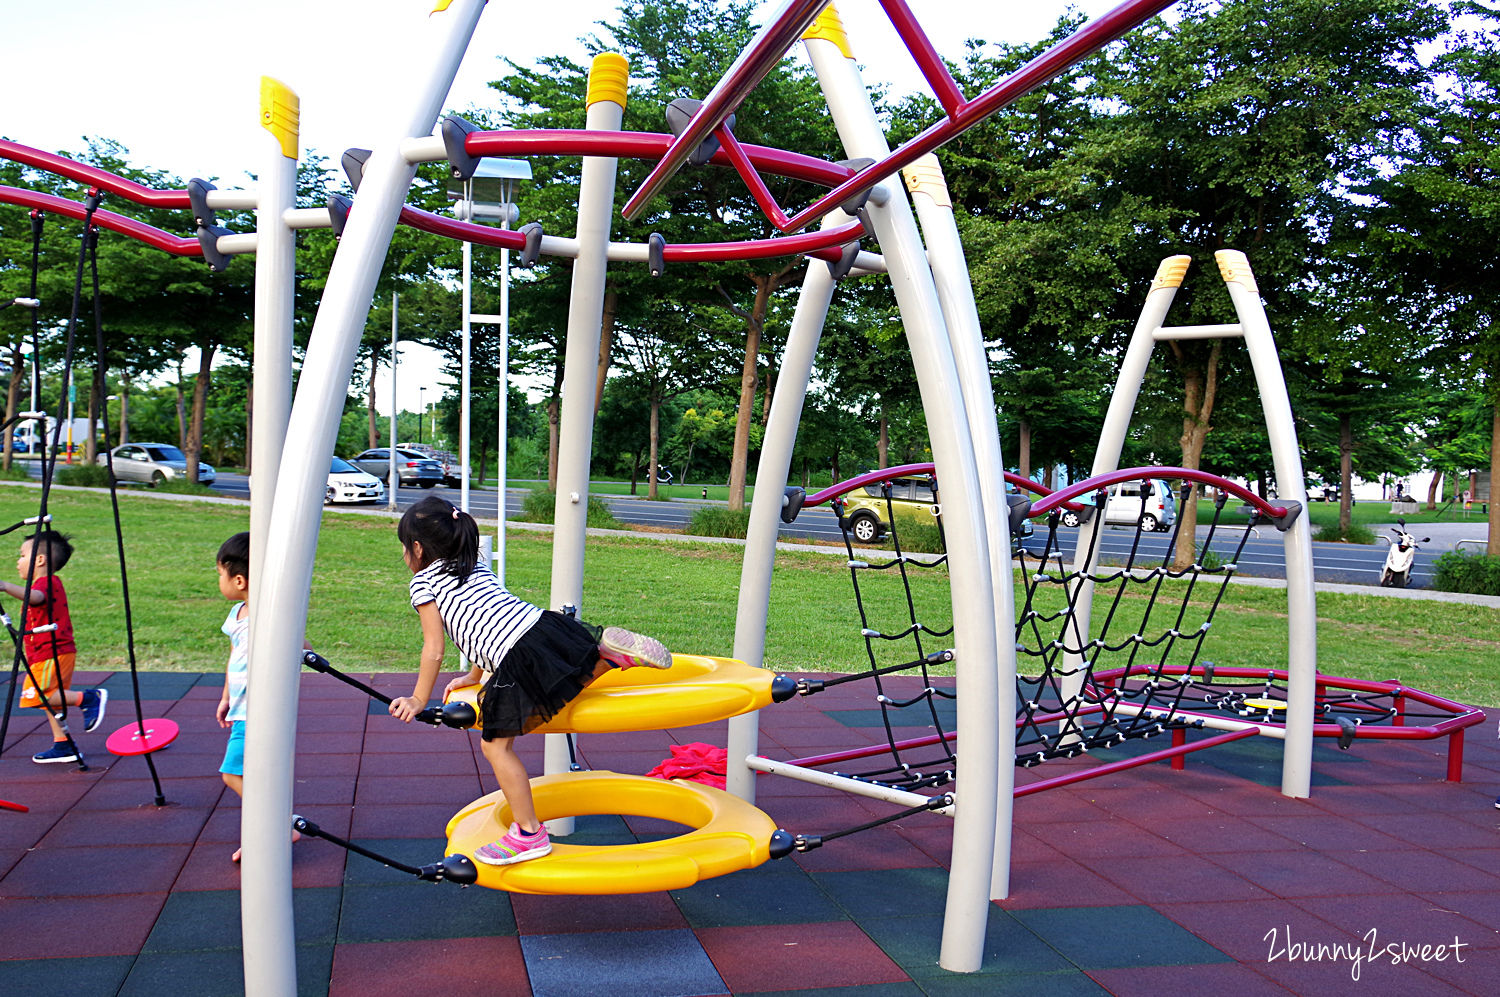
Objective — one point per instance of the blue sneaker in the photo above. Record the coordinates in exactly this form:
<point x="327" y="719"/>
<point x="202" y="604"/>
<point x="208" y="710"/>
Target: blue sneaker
<point x="59" y="752"/>
<point x="93" y="708"/>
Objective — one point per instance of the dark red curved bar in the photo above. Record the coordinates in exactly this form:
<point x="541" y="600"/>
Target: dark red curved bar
<point x="149" y="234"/>
<point x="93" y="176"/>
<point x="1099" y="481"/>
<point x="901" y="471"/>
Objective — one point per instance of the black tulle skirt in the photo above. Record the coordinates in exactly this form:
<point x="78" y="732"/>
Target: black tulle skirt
<point x="551" y="664"/>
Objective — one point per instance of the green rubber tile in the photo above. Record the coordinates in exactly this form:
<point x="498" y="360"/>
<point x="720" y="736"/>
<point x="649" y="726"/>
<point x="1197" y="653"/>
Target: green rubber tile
<point x="217" y="974"/>
<point x="361" y="870"/>
<point x="774" y="893"/>
<point x="209" y="920"/>
<point x="1114" y="937"/>
<point x="887" y="892"/>
<point x="417" y="910"/>
<point x="64" y="977"/>
<point x="915" y="943"/>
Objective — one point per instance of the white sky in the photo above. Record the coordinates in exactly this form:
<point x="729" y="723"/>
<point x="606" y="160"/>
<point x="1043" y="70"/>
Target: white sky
<point x="178" y="83"/>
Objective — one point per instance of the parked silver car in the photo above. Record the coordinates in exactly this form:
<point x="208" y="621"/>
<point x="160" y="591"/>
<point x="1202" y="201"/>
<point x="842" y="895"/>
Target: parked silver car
<point x="412" y="468"/>
<point x="153" y="463"/>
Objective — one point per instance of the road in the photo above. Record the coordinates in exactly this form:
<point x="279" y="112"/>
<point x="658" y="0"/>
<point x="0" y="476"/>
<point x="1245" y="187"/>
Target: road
<point x="1262" y="556"/>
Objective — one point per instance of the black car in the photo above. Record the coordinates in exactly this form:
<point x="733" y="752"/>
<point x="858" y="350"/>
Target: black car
<point x="412" y="468"/>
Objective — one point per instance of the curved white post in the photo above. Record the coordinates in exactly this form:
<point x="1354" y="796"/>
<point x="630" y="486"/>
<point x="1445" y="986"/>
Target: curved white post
<point x="596" y="191"/>
<point x="765" y="509"/>
<point x="1291" y="485"/>
<point x="286" y="566"/>
<point x="967" y="908"/>
<point x="945" y="254"/>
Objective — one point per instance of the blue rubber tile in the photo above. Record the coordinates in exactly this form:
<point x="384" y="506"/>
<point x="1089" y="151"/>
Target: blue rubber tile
<point x="209" y="920"/>
<point x="361" y="870"/>
<point x="64" y="977"/>
<point x="417" y="910"/>
<point x="774" y="893"/>
<point x="153" y="685"/>
<point x="914" y="944"/>
<point x="622" y="964"/>
<point x="888" y="892"/>
<point x="1114" y="937"/>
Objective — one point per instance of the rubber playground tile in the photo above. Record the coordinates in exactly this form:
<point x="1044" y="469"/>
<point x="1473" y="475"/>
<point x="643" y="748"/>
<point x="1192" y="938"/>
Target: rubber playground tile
<point x="1209" y="835"/>
<point x="52" y="978"/>
<point x="328" y="743"/>
<point x="404" y="820"/>
<point x="327" y="790"/>
<point x="75" y="927"/>
<point x="413" y="910"/>
<point x="430" y="968"/>
<point x="915" y="943"/>
<point x="1152" y="981"/>
<point x="95" y="871"/>
<point x="560" y="915"/>
<point x="382" y="790"/>
<point x="209" y="920"/>
<point x="622" y="964"/>
<point x="1112" y="937"/>
<point x="878" y="848"/>
<point x="149" y="825"/>
<point x="361" y="870"/>
<point x="1348" y="972"/>
<point x="1039" y="885"/>
<point x="774" y="893"/>
<point x="166" y="686"/>
<point x="904" y="989"/>
<point x="1484" y="859"/>
<point x="886" y="893"/>
<point x="1071" y="983"/>
<point x="218" y="973"/>
<point x="1417" y="920"/>
<point x="1148" y="807"/>
<point x="408" y="763"/>
<point x="1182" y="878"/>
<point x="116" y="793"/>
<point x="1478" y="974"/>
<point x="1115" y="838"/>
<point x="1325" y="831"/>
<point x="1431" y="870"/>
<point x="1425" y="832"/>
<point x="797" y="956"/>
<point x="1303" y="873"/>
<point x="1244" y="929"/>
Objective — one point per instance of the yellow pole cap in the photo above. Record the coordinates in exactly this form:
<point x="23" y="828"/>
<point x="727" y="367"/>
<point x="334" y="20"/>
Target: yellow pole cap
<point x="280" y="114"/>
<point x="1235" y="269"/>
<point x="1171" y="272"/>
<point x="926" y="176"/>
<point x="609" y="79"/>
<point x="828" y="27"/>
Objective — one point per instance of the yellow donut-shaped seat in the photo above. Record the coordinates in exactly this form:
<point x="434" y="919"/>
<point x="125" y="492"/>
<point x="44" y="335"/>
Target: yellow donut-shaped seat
<point x="729" y="835"/>
<point x="697" y="689"/>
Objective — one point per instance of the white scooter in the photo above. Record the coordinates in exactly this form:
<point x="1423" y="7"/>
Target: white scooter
<point x="1399" y="558"/>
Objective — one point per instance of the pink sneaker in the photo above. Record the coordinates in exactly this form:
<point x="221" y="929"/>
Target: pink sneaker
<point x="515" y="846"/>
<point x="629" y="650"/>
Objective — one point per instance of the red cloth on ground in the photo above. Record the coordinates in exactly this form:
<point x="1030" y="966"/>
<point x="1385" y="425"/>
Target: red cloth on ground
<point x="696" y="762"/>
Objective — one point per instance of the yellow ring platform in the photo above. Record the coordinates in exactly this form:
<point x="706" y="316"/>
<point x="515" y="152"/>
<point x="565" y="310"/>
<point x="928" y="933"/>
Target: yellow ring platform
<point x="730" y="835"/>
<point x="697" y="689"/>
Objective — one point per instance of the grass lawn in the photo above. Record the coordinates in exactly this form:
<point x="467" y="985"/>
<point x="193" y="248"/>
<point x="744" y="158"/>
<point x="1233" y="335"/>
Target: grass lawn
<point x="684" y="593"/>
<point x="1326" y="514"/>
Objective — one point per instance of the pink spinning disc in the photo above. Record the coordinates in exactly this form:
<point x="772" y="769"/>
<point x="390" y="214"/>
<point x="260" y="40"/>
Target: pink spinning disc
<point x="129" y="740"/>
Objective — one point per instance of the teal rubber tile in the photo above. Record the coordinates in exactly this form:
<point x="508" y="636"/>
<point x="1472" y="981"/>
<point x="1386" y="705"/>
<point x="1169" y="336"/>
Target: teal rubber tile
<point x="417" y="910"/>
<point x="153" y="685"/>
<point x="64" y="977"/>
<point x="774" y="893"/>
<point x="219" y="973"/>
<point x="209" y="920"/>
<point x="1067" y="984"/>
<point x="1114" y="937"/>
<point x="887" y="892"/>
<point x="915" y="944"/>
<point x="361" y="870"/>
<point x="620" y="964"/>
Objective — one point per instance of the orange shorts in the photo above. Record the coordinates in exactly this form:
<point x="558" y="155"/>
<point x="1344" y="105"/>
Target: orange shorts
<point x="48" y="673"/>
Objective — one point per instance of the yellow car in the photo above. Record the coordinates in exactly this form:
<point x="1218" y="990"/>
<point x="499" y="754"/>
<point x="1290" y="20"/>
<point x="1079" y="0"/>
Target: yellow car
<point x="866" y="514"/>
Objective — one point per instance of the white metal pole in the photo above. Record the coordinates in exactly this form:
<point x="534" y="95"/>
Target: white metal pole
<point x="950" y="270"/>
<point x="502" y="420"/>
<point x="266" y="882"/>
<point x="392" y="480"/>
<point x="972" y="587"/>
<point x="765" y="508"/>
<point x="271" y="390"/>
<point x="608" y="78"/>
<point x="463" y="389"/>
<point x="1291" y="485"/>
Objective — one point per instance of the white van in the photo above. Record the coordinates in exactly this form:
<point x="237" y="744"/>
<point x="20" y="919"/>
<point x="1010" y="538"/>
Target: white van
<point x="1125" y="506"/>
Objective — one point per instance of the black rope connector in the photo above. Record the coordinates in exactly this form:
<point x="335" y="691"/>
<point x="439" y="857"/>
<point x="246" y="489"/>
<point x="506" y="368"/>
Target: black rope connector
<point x="783" y="688"/>
<point x="1347" y="731"/>
<point x="782" y="844"/>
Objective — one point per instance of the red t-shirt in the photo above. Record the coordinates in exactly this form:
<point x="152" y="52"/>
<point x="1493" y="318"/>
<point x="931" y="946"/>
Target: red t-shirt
<point x="52" y="609"/>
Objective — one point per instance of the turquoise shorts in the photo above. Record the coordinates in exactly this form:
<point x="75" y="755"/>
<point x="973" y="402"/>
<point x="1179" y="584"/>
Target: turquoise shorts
<point x="234" y="754"/>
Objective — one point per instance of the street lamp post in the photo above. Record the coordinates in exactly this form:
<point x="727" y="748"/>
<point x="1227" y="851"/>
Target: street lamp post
<point x="421" y="410"/>
<point x="488" y="194"/>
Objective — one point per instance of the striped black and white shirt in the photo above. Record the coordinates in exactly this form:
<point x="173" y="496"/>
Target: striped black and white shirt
<point x="481" y="618"/>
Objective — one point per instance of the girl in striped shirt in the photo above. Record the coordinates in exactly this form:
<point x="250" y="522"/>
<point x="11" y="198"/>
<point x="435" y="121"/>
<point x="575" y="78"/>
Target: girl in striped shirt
<point x="532" y="661"/>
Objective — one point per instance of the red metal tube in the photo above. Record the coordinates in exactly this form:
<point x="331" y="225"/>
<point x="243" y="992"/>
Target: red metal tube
<point x="928" y="60"/>
<point x="1095" y="771"/>
<point x="92" y="175"/>
<point x="150" y="235"/>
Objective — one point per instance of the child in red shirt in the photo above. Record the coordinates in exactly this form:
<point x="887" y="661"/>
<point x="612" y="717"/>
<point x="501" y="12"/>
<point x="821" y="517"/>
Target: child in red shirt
<point x="49" y="643"/>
